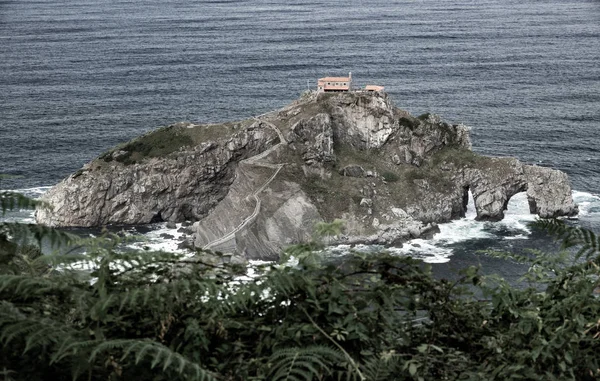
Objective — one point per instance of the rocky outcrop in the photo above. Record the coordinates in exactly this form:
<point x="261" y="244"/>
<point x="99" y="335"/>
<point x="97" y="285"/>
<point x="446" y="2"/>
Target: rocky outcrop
<point x="549" y="192"/>
<point x="314" y="141"/>
<point x="256" y="186"/>
<point x="364" y="122"/>
<point x="184" y="185"/>
<point x="353" y="170"/>
<point x="287" y="216"/>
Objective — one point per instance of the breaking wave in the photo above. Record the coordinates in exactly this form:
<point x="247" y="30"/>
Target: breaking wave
<point x="439" y="249"/>
<point x="455" y="234"/>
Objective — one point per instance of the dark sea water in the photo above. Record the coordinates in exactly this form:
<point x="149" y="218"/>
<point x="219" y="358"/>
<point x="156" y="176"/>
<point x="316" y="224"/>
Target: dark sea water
<point x="79" y="76"/>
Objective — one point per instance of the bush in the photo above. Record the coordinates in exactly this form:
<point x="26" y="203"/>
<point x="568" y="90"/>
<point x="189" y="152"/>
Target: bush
<point x="409" y="122"/>
<point x="414" y="174"/>
<point x="390" y="177"/>
<point x="424" y="116"/>
<point x="163" y="316"/>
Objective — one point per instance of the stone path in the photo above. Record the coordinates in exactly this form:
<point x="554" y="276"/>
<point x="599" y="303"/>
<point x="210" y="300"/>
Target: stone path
<point x="254" y="160"/>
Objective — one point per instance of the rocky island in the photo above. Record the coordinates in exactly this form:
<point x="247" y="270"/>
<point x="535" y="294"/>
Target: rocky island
<point x="254" y="186"/>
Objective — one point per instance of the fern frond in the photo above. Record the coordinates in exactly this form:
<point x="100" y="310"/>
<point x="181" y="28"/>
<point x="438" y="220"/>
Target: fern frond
<point x="382" y="367"/>
<point x="571" y="236"/>
<point x="282" y="283"/>
<point x="25" y="233"/>
<point x="9" y="312"/>
<point x="71" y="347"/>
<point x="12" y="200"/>
<point x="308" y="363"/>
<point x="164" y="294"/>
<point x="24" y="286"/>
<point x="160" y="356"/>
<point x="61" y="260"/>
<point x="34" y="332"/>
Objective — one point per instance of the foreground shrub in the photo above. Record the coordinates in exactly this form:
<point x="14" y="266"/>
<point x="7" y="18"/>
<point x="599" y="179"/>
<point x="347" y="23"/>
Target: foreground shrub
<point x="163" y="316"/>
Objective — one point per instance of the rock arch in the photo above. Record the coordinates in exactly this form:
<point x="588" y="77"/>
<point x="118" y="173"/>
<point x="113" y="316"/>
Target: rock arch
<point x="548" y="190"/>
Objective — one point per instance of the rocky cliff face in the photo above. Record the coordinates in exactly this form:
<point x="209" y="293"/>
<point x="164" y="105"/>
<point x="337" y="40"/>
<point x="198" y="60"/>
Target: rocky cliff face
<point x="256" y="186"/>
<point x="183" y="185"/>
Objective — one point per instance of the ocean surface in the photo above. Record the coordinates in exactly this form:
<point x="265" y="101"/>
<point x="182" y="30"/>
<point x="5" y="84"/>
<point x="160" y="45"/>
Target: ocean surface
<point x="79" y="76"/>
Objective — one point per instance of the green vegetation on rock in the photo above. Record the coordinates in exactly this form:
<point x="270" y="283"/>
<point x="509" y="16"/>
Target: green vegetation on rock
<point x="390" y="177"/>
<point x="166" y="140"/>
<point x="155" y="144"/>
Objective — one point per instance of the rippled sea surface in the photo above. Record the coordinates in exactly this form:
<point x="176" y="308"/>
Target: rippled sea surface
<point x="79" y="76"/>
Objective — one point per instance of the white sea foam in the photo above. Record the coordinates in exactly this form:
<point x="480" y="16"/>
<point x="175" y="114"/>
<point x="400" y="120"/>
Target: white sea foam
<point x="520" y="236"/>
<point x="35" y="192"/>
<point x="21" y="216"/>
<point x="430" y="251"/>
<point x="517" y="216"/>
<point x="24" y="216"/>
<point x="439" y="249"/>
<point x="155" y="242"/>
<point x="514" y="226"/>
<point x="589" y="203"/>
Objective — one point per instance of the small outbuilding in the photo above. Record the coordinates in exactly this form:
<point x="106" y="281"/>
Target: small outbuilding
<point x="374" y="88"/>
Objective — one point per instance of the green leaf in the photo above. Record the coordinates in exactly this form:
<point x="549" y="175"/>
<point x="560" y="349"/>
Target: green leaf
<point x="562" y="366"/>
<point x="422" y="348"/>
<point x="568" y="358"/>
<point x="412" y="369"/>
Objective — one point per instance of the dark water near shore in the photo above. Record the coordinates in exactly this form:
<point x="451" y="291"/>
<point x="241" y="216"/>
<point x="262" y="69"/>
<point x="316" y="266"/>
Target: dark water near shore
<point x="77" y="77"/>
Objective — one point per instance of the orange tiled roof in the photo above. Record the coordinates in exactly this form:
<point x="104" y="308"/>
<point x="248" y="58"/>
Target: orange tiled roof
<point x="335" y="79"/>
<point x="374" y="88"/>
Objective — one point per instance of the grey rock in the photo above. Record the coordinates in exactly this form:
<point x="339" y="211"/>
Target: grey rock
<point x="549" y="192"/>
<point x="408" y="157"/>
<point x="353" y="170"/>
<point x="118" y="154"/>
<point x="414" y="231"/>
<point x="366" y="202"/>
<point x="400" y="213"/>
<point x="187" y="244"/>
<point x="363" y="122"/>
<point x="185" y="230"/>
<point x="317" y="135"/>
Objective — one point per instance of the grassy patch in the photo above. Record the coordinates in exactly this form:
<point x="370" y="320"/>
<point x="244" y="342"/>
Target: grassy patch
<point x="155" y="144"/>
<point x="332" y="196"/>
<point x="166" y="140"/>
<point x="457" y="156"/>
<point x="416" y="174"/>
<point x="347" y="154"/>
<point x="409" y="122"/>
